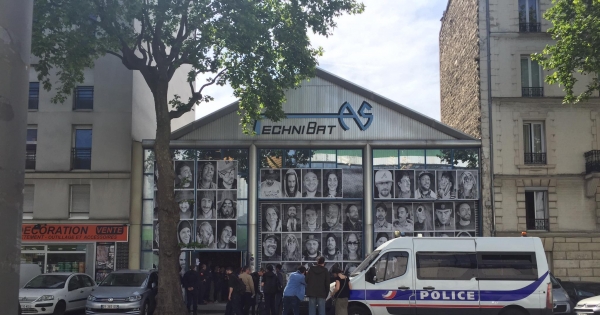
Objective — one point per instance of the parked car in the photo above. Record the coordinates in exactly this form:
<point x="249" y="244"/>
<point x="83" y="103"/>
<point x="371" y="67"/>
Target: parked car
<point x="562" y="302"/>
<point x="579" y="290"/>
<point x="588" y="306"/>
<point x="55" y="293"/>
<point x="125" y="292"/>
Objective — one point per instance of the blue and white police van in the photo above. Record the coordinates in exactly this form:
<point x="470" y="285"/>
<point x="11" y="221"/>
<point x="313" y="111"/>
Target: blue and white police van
<point x="453" y="276"/>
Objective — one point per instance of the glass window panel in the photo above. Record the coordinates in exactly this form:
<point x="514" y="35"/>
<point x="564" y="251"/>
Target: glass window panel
<point x="522" y="11"/>
<point x="349" y="158"/>
<point x="524" y="72"/>
<point x="271" y="158"/>
<point x="323" y="159"/>
<point x="385" y="159"/>
<point x="149" y="260"/>
<point x="298" y="158"/>
<point x="242" y="211"/>
<point x="540" y="204"/>
<point x="242" y="237"/>
<point x="438" y="159"/>
<point x="532" y="11"/>
<point x="185" y="154"/>
<point x="147" y="237"/>
<point x="446" y="266"/>
<point x="242" y="187"/>
<point x="31" y="134"/>
<point x="537" y="138"/>
<point x="412" y="159"/>
<point x="397" y="263"/>
<point x="67" y="248"/>
<point x="148" y="187"/>
<point x="527" y="137"/>
<point x="466" y="158"/>
<point x="209" y="154"/>
<point x="83" y="138"/>
<point x="536" y="80"/>
<point x="380" y="267"/>
<point x="148" y="212"/>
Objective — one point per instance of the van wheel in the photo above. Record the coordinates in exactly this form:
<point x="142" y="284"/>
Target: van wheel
<point x="60" y="308"/>
<point x="358" y="310"/>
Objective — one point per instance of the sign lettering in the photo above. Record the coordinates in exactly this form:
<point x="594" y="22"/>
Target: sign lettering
<point x="74" y="232"/>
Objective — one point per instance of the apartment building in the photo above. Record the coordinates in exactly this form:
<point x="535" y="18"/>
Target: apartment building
<point x="84" y="165"/>
<point x="540" y="172"/>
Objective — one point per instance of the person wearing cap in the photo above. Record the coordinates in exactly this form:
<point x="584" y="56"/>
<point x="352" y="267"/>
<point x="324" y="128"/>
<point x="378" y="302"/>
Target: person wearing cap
<point x="464" y="221"/>
<point x="206" y="205"/>
<point x="185" y="200"/>
<point x="227" y="208"/>
<point x="331" y="250"/>
<point x="311" y="185"/>
<point x="443" y="217"/>
<point x="384" y="183"/>
<point x="310" y="223"/>
<point x="311" y="248"/>
<point x="403" y="223"/>
<point x="292" y="187"/>
<point x="226" y="172"/>
<point x="352" y="221"/>
<point x="206" y="178"/>
<point x="332" y="218"/>
<point x="382" y="224"/>
<point x="271" y="186"/>
<point x="270" y="248"/>
<point x="184" y="232"/>
<point x="424" y="190"/>
<point x="184" y="176"/>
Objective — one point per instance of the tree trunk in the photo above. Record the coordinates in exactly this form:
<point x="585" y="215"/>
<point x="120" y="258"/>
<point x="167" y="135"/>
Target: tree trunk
<point x="170" y="300"/>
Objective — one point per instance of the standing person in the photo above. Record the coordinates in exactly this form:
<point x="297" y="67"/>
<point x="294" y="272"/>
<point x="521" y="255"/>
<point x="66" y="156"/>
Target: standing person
<point x="257" y="278"/>
<point x="341" y="292"/>
<point x="293" y="293"/>
<point x="250" y="292"/>
<point x="270" y="284"/>
<point x="217" y="279"/>
<point x="234" y="298"/>
<point x="224" y="285"/>
<point x="191" y="283"/>
<point x="202" y="286"/>
<point x="317" y="287"/>
<point x="282" y="283"/>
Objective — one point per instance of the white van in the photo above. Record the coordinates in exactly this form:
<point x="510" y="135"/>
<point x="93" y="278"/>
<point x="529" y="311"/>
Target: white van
<point x="447" y="276"/>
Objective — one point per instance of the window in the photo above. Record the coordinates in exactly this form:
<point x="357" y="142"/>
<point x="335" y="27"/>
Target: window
<point x="84" y="98"/>
<point x="82" y="149"/>
<point x="80" y="202"/>
<point x="531" y="78"/>
<point x="536" y="205"/>
<point x="74" y="283"/>
<point x="28" y="202"/>
<point x="446" y="266"/>
<point x="533" y="142"/>
<point x="31" y="148"/>
<point x="34" y="95"/>
<point x="391" y="265"/>
<point x="528" y="16"/>
<point x="507" y="266"/>
<point x="85" y="281"/>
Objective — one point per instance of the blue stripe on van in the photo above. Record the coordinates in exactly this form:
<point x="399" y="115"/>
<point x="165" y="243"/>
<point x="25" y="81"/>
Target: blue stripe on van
<point x="512" y="295"/>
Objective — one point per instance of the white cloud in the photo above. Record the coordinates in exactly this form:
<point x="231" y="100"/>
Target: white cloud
<point x="391" y="49"/>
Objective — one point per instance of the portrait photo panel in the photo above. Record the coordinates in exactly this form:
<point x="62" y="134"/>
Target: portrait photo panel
<point x="443" y="216"/>
<point x="383" y="216"/>
<point x="384" y="184"/>
<point x="271" y="217"/>
<point x="227" y="172"/>
<point x="226" y="234"/>
<point x="446" y="184"/>
<point x="185" y="203"/>
<point x="292" y="217"/>
<point x="353" y="216"/>
<point x="465" y="215"/>
<point x="423" y="217"/>
<point x="468" y="181"/>
<point x="292" y="183"/>
<point x="312" y="247"/>
<point x="405" y="184"/>
<point x="206" y="233"/>
<point x="352" y="246"/>
<point x="403" y="217"/>
<point x="312" y="183"/>
<point x="381" y="237"/>
<point x="333" y="183"/>
<point x="291" y="247"/>
<point x="270" y="184"/>
<point x="184" y="174"/>
<point x="311" y="217"/>
<point x="425" y="185"/>
<point x="227" y="204"/>
<point x="184" y="232"/>
<point x="349" y="267"/>
<point x="271" y="247"/>
<point x="206" y="205"/>
<point x="332" y="217"/>
<point x="332" y="246"/>
<point x="207" y="175"/>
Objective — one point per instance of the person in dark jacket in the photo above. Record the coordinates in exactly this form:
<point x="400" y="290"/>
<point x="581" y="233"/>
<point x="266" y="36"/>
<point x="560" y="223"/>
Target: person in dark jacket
<point x="317" y="287"/>
<point x="270" y="284"/>
<point x="203" y="281"/>
<point x="191" y="283"/>
<point x="282" y="283"/>
<point x="257" y="278"/>
<point x="234" y="299"/>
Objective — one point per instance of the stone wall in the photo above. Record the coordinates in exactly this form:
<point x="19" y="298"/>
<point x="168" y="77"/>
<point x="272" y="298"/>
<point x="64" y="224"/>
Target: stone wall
<point x="459" y="67"/>
<point x="574" y="258"/>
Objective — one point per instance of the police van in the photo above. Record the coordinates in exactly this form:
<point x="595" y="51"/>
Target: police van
<point x="447" y="276"/>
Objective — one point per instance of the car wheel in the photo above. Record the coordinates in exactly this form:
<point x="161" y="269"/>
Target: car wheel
<point x="60" y="308"/>
<point x="358" y="310"/>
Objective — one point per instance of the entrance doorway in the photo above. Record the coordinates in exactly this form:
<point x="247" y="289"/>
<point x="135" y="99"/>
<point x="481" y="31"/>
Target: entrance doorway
<point x="221" y="259"/>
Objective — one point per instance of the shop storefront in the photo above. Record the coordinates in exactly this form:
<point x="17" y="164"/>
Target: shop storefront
<point x="94" y="249"/>
<point x="345" y="171"/>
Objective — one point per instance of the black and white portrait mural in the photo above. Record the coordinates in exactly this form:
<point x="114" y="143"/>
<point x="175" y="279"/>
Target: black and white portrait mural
<point x="425" y="185"/>
<point x="227" y="172"/>
<point x="292" y="183"/>
<point x="227" y="204"/>
<point x="292" y="217"/>
<point x="332" y="217"/>
<point x="270" y="185"/>
<point x="184" y="175"/>
<point x="332" y="183"/>
<point x="384" y="184"/>
<point x="205" y="233"/>
<point x="405" y="184"/>
<point x="446" y="188"/>
<point x="271" y="215"/>
<point x="403" y="217"/>
<point x="226" y="238"/>
<point x="383" y="216"/>
<point x="207" y="175"/>
<point x="381" y="237"/>
<point x="312" y="183"/>
<point x="184" y="232"/>
<point x="207" y="201"/>
<point x="467" y="185"/>
<point x="271" y="247"/>
<point x="185" y="202"/>
<point x="311" y="217"/>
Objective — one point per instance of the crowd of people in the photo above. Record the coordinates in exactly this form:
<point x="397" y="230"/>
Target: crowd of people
<point x="267" y="291"/>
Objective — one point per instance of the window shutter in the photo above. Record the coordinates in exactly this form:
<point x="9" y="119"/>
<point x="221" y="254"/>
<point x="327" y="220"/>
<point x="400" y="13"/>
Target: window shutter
<point x="28" y="200"/>
<point x="80" y="200"/>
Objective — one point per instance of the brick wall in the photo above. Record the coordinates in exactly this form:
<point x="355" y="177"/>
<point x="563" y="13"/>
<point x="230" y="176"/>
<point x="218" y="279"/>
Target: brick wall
<point x="459" y="67"/>
<point x="574" y="258"/>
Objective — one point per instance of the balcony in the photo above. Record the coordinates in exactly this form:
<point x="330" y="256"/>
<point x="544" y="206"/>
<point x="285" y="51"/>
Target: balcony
<point x="532" y="91"/>
<point x="530" y="27"/>
<point x="81" y="159"/>
<point x="592" y="161"/>
<point x="30" y="159"/>
<point x="539" y="225"/>
<point x="535" y="158"/>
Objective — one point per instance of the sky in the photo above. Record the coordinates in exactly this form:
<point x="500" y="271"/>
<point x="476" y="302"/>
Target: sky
<point x="390" y="49"/>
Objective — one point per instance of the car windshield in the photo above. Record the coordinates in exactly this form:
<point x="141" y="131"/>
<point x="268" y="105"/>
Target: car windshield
<point x="588" y="289"/>
<point x="124" y="280"/>
<point x="365" y="263"/>
<point x="47" y="282"/>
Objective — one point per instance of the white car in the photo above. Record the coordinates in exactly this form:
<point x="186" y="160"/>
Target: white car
<point x="55" y="293"/>
<point x="588" y="306"/>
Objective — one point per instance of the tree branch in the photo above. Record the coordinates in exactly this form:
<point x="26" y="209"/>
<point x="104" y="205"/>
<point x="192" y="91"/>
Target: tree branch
<point x="114" y="54"/>
<point x="196" y="97"/>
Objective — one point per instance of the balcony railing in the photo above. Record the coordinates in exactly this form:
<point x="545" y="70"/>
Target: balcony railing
<point x="532" y="91"/>
<point x="81" y="159"/>
<point x="530" y="27"/>
<point x="539" y="225"/>
<point x="592" y="161"/>
<point x="535" y="158"/>
<point x="30" y="159"/>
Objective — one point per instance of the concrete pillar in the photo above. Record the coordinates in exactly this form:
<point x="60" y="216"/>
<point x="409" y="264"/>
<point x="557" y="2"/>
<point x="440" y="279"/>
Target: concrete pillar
<point x="135" y="212"/>
<point x="252" y="204"/>
<point x="15" y="48"/>
<point x="368" y="197"/>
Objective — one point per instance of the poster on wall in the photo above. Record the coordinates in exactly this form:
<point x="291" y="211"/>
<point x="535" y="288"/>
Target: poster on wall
<point x="310" y="183"/>
<point x="105" y="260"/>
<point x="426" y="184"/>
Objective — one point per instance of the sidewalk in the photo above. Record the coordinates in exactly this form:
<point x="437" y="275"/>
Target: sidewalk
<point x="212" y="308"/>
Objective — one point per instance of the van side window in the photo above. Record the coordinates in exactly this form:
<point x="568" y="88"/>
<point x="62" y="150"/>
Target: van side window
<point x="446" y="266"/>
<point x="391" y="265"/>
<point x="513" y="266"/>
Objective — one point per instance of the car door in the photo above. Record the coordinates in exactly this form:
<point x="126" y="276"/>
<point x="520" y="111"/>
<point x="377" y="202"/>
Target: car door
<point x="87" y="285"/>
<point x="75" y="294"/>
<point x="389" y="284"/>
<point x="446" y="277"/>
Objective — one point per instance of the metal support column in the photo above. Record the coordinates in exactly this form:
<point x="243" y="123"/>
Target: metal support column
<point x="252" y="201"/>
<point x="368" y="197"/>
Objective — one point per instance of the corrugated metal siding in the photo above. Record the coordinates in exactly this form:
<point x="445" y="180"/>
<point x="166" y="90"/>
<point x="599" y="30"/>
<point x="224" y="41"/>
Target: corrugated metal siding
<point x="320" y="96"/>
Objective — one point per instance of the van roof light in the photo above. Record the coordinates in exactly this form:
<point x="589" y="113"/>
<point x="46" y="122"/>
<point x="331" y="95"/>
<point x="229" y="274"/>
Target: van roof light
<point x="523" y="234"/>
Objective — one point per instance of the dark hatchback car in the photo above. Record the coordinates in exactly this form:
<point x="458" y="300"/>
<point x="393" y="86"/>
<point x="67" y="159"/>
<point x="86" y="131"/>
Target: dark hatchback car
<point x="579" y="290"/>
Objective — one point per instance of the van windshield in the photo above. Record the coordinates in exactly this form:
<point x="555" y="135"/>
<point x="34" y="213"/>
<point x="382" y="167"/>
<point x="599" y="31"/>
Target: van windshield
<point x="365" y="263"/>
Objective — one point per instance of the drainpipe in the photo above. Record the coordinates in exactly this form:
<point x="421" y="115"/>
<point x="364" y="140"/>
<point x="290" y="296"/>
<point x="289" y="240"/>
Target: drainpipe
<point x="490" y="120"/>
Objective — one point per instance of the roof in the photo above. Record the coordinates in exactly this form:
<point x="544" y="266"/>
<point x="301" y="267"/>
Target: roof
<point x="355" y="88"/>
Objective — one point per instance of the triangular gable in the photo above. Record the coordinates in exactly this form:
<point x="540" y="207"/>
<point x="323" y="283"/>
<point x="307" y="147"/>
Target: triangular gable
<point x="326" y="107"/>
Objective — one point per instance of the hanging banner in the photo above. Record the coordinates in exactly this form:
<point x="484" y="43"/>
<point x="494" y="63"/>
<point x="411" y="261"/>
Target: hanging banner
<point x="74" y="232"/>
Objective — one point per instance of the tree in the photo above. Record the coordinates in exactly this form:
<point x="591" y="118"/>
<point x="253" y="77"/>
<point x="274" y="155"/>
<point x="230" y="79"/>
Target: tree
<point x="576" y="25"/>
<point x="259" y="47"/>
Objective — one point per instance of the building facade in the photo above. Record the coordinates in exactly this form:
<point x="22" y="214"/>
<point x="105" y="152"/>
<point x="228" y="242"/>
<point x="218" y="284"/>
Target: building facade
<point x="346" y="170"/>
<point x="83" y="178"/>
<point x="538" y="170"/>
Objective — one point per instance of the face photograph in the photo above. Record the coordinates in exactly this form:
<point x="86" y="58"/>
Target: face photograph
<point x="384" y="184"/>
<point x="405" y="182"/>
<point x="271" y="218"/>
<point x="425" y="183"/>
<point x="423" y="217"/>
<point x="184" y="175"/>
<point x="271" y="248"/>
<point x="465" y="215"/>
<point x="312" y="246"/>
<point x="446" y="188"/>
<point x="292" y="183"/>
<point x="352" y="246"/>
<point x="292" y="217"/>
<point x="227" y="204"/>
<point x="383" y="216"/>
<point x="206" y="205"/>
<point x="291" y="247"/>
<point x="206" y="233"/>
<point x="467" y="184"/>
<point x="443" y="216"/>
<point x="332" y="246"/>
<point x="207" y="175"/>
<point x="332" y="183"/>
<point x="349" y="268"/>
<point x="403" y="217"/>
<point x="227" y="173"/>
<point x="382" y="237"/>
<point x="226" y="231"/>
<point x="185" y="203"/>
<point x="270" y="184"/>
<point x="311" y="217"/>
<point x="184" y="232"/>
<point x="311" y="183"/>
<point x="183" y="262"/>
<point x="352" y="217"/>
<point x="332" y="217"/>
